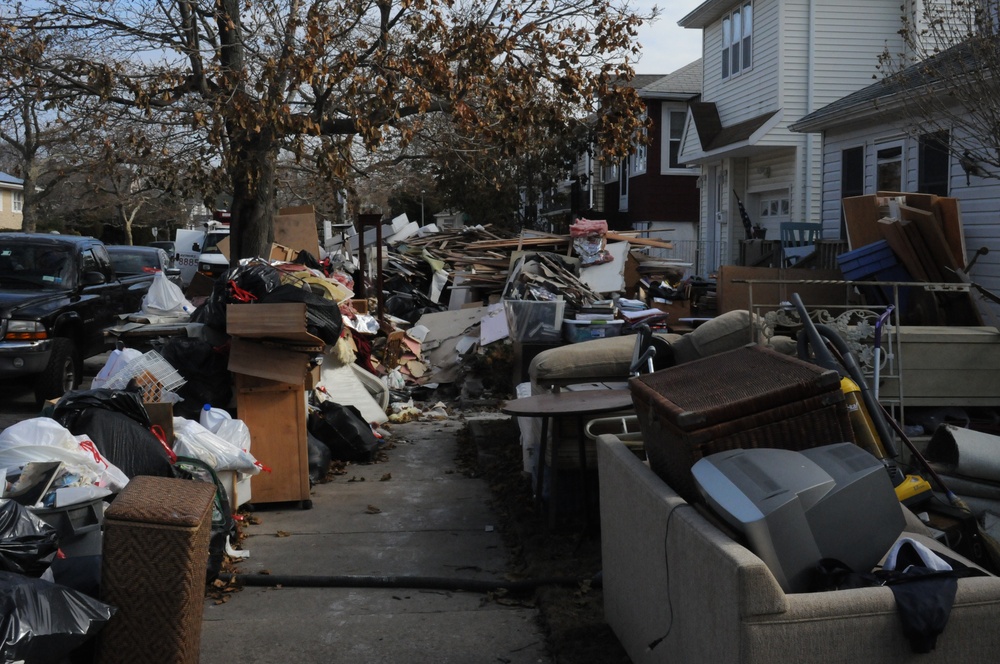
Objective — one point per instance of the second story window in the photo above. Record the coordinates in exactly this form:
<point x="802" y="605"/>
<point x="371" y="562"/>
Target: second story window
<point x="737" y="40"/>
<point x="673" y="131"/>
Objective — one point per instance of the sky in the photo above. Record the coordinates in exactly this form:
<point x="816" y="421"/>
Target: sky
<point x="666" y="47"/>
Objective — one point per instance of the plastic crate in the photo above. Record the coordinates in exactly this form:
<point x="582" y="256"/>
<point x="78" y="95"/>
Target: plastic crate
<point x="79" y="526"/>
<point x="869" y="260"/>
<point x="584" y="330"/>
<point x="534" y="320"/>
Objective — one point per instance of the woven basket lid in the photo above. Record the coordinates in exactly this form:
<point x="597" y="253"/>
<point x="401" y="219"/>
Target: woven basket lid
<point x="729" y="385"/>
<point x="162" y="500"/>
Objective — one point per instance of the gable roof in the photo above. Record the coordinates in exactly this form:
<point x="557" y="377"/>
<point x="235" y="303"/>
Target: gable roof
<point x="683" y="84"/>
<point x="879" y="97"/>
<point x="10" y="180"/>
<point x="711" y="133"/>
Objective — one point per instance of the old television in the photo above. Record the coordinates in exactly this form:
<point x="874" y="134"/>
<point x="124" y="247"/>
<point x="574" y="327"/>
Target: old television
<point x="797" y="507"/>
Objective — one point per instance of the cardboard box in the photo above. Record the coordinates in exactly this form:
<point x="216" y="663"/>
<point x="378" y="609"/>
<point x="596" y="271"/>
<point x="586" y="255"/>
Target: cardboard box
<point x="162" y="413"/>
<point x="295" y="228"/>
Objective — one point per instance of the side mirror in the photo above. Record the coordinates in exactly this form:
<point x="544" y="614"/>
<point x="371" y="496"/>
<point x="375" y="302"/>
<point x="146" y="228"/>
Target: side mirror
<point x="94" y="278"/>
<point x="173" y="271"/>
<point x="195" y="247"/>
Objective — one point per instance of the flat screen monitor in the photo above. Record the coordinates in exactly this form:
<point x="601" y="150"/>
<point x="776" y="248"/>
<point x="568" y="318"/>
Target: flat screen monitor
<point x="796" y="508"/>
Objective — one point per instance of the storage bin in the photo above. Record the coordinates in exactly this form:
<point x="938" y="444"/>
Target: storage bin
<point x="744" y="398"/>
<point x="534" y="320"/>
<point x="153" y="571"/>
<point x="875" y="262"/>
<point x="584" y="330"/>
<point x="79" y="526"/>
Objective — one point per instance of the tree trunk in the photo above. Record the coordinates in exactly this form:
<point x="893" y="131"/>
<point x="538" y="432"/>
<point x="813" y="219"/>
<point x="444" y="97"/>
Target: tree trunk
<point x="29" y="202"/>
<point x="252" y="219"/>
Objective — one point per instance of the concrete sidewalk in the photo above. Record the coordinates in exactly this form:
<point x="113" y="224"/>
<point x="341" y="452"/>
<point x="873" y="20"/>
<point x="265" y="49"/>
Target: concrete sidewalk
<point x="414" y="515"/>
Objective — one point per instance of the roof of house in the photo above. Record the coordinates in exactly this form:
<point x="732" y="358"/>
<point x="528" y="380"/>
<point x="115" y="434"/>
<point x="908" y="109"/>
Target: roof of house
<point x="713" y="135"/>
<point x="10" y="179"/>
<point x="684" y="83"/>
<point x="950" y="63"/>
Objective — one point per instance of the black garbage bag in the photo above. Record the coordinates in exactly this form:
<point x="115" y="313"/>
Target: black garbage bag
<point x="205" y="371"/>
<point x="223" y="523"/>
<point x="28" y="545"/>
<point x="319" y="459"/>
<point x="323" y="318"/>
<point x="343" y="429"/>
<point x="126" y="402"/>
<point x="82" y="573"/>
<point x="307" y="259"/>
<point x="124" y="442"/>
<point x="240" y="284"/>
<point x="42" y="622"/>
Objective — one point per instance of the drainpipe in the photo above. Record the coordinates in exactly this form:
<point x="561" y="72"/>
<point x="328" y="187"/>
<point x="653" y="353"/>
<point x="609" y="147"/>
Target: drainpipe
<point x="810" y="91"/>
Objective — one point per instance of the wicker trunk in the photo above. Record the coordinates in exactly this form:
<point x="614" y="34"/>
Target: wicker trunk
<point x="744" y="398"/>
<point x="156" y="536"/>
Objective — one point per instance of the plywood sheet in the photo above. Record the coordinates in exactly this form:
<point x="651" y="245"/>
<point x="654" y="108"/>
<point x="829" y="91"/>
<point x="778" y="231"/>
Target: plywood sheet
<point x="900" y="245"/>
<point x="930" y="230"/>
<point x="861" y="214"/>
<point x="733" y="294"/>
<point x="948" y="211"/>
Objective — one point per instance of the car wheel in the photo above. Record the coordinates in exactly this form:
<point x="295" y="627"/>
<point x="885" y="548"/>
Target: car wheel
<point x="62" y="373"/>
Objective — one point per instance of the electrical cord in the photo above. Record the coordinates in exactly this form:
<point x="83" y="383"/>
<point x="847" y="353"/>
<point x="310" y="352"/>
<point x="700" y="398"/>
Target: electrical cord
<point x="666" y="567"/>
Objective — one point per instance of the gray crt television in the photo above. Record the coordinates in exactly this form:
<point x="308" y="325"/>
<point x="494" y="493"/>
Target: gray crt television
<point x="796" y="508"/>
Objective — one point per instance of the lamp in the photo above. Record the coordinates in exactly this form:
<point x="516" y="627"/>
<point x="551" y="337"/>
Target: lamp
<point x="970" y="165"/>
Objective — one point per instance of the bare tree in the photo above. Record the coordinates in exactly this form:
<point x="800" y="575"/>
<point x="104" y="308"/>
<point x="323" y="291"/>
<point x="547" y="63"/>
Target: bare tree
<point x="257" y="78"/>
<point x="945" y="80"/>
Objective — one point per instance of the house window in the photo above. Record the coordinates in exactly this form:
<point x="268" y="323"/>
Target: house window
<point x="623" y="175"/>
<point x="889" y="167"/>
<point x="852" y="179"/>
<point x="673" y="130"/>
<point x="737" y="40"/>
<point x="610" y="173"/>
<point x="772" y="207"/>
<point x="18" y="203"/>
<point x="933" y="163"/>
<point x="637" y="164"/>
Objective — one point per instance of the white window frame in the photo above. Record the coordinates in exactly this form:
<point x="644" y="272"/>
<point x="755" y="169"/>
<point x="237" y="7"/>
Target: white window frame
<point x="609" y="173"/>
<point x="666" y="139"/>
<point x="900" y="158"/>
<point x="640" y="157"/>
<point x="1" y="199"/>
<point x="737" y="49"/>
<point x="623" y="178"/>
<point x="17" y="202"/>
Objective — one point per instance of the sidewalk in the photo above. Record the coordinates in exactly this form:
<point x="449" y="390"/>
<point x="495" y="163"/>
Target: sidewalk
<point x="414" y="515"/>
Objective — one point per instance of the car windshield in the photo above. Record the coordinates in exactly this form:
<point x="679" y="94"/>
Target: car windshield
<point x="24" y="265"/>
<point x="135" y="262"/>
<point x="212" y="241"/>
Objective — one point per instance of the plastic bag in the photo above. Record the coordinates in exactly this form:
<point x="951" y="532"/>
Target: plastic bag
<point x="323" y="317"/>
<point x="28" y="545"/>
<point x="44" y="439"/>
<point x="165" y="298"/>
<point x="205" y="370"/>
<point x="129" y="445"/>
<point x="193" y="440"/>
<point x="117" y="360"/>
<point x="42" y="622"/>
<point x="319" y="459"/>
<point x="126" y="402"/>
<point x="343" y="429"/>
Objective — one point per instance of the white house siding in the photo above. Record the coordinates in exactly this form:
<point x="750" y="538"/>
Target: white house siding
<point x="979" y="201"/>
<point x="753" y="92"/>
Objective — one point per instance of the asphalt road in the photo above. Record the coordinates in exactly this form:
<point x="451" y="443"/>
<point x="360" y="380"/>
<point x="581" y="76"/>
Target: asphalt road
<point x="17" y="400"/>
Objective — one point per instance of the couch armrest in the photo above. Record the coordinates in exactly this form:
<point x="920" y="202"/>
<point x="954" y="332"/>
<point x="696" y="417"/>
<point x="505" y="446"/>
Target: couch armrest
<point x="700" y="592"/>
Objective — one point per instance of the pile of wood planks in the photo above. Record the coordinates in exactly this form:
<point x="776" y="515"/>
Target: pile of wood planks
<point x="925" y="233"/>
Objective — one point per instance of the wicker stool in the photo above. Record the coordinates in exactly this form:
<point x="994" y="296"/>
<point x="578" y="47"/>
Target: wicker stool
<point x="156" y="535"/>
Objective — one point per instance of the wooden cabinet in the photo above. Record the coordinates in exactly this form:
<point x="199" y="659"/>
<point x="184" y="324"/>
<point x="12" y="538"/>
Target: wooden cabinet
<point x="275" y="413"/>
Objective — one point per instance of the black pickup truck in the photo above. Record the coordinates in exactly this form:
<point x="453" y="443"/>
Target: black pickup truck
<point x="58" y="293"/>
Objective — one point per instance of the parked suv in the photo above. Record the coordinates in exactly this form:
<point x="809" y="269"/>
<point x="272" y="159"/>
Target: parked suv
<point x="58" y="293"/>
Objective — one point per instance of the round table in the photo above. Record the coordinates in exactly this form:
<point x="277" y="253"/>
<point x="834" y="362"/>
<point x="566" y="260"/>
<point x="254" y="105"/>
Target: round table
<point x="581" y="404"/>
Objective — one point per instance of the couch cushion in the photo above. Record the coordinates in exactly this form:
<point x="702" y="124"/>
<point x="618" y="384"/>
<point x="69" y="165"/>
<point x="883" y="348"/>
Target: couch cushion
<point x="594" y="360"/>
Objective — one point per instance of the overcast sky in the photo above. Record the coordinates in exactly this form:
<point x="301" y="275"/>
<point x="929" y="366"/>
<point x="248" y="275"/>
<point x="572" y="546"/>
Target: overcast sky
<point x="666" y="47"/>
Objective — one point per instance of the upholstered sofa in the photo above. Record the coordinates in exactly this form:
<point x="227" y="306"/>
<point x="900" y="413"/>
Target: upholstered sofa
<point x="678" y="589"/>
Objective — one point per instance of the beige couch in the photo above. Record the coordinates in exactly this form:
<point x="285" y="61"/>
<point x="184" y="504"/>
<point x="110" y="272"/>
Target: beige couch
<point x="722" y="604"/>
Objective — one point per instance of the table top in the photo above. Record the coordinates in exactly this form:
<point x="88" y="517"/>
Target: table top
<point x="581" y="402"/>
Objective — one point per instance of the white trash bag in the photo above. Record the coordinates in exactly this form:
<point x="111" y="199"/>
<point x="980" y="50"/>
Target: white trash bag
<point x="191" y="439"/>
<point x="165" y="298"/>
<point x="44" y="439"/>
